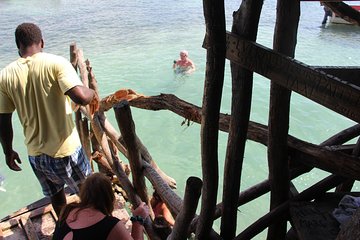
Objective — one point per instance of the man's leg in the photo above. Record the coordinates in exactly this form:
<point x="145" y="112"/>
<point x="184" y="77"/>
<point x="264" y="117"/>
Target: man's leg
<point x="58" y="201"/>
<point x="80" y="169"/>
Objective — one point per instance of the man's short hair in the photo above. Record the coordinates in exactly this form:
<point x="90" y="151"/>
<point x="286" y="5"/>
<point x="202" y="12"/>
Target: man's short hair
<point x="27" y="34"/>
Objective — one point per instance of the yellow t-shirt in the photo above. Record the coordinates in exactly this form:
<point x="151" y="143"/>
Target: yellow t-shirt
<point x="35" y="87"/>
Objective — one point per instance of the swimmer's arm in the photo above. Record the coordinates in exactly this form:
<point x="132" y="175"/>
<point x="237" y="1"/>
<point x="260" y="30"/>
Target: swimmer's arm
<point x="193" y="68"/>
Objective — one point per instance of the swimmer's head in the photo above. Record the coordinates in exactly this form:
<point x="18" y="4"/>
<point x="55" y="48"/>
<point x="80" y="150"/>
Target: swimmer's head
<point x="184" y="53"/>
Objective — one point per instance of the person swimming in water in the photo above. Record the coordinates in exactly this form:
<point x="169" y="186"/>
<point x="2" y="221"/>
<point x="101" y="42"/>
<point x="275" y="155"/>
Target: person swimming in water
<point x="184" y="64"/>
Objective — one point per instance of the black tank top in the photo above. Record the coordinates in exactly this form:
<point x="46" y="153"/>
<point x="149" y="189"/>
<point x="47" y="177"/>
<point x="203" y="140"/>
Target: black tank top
<point x="98" y="231"/>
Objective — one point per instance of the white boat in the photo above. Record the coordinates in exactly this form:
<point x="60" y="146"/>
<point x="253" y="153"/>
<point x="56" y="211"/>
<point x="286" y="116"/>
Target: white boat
<point x="338" y="20"/>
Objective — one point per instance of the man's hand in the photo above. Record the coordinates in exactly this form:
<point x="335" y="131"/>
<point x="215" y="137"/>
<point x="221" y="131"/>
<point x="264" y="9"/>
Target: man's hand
<point x="11" y="159"/>
<point x="94" y="104"/>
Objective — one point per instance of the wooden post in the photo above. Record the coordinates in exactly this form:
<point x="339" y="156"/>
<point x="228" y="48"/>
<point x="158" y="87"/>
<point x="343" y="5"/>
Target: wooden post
<point x="81" y="124"/>
<point x="348" y="184"/>
<point x="127" y="128"/>
<point x="288" y="13"/>
<point x="214" y="14"/>
<point x="188" y="209"/>
<point x="73" y="60"/>
<point x="246" y="21"/>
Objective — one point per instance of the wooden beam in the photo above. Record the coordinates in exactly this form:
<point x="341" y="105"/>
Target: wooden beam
<point x="285" y="37"/>
<point x="351" y="74"/>
<point x="29" y="229"/>
<point x="305" y="152"/>
<point x="245" y="23"/>
<point x="327" y="90"/>
<point x="127" y="128"/>
<point x="214" y="14"/>
<point x="188" y="209"/>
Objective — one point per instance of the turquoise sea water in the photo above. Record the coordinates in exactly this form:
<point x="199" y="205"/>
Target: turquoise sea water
<point x="132" y="44"/>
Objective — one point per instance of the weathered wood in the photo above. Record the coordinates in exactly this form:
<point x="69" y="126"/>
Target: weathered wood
<point x="101" y="138"/>
<point x="257" y="132"/>
<point x="82" y="67"/>
<point x="78" y="117"/>
<point x="73" y="56"/>
<point x="137" y="192"/>
<point x="214" y="14"/>
<point x="91" y="77"/>
<point x="127" y="128"/>
<point x="313" y="220"/>
<point x="250" y="194"/>
<point x="312" y="223"/>
<point x="349" y="73"/>
<point x="245" y="23"/>
<point x="347" y="185"/>
<point x="320" y="157"/>
<point x="299" y="150"/>
<point x="343" y="136"/>
<point x="287" y="18"/>
<point x="29" y="228"/>
<point x="102" y="162"/>
<point x="327" y="90"/>
<point x="188" y="209"/>
<point x="312" y="192"/>
<point x="84" y="77"/>
<point x="115" y="165"/>
<point x="261" y="188"/>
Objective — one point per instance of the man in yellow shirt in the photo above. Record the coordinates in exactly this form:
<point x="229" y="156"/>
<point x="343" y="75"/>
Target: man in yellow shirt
<point x="40" y="87"/>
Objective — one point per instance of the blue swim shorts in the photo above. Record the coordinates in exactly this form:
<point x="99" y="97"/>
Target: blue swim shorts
<point x="54" y="173"/>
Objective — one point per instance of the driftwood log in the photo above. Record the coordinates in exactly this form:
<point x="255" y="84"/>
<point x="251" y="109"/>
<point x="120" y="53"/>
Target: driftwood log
<point x="304" y="152"/>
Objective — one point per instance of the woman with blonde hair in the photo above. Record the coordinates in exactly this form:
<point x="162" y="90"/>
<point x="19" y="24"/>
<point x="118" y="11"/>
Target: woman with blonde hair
<point x="91" y="218"/>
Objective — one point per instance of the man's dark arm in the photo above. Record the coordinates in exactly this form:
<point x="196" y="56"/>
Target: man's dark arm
<point x="6" y="139"/>
<point x="6" y="133"/>
<point x="81" y="95"/>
